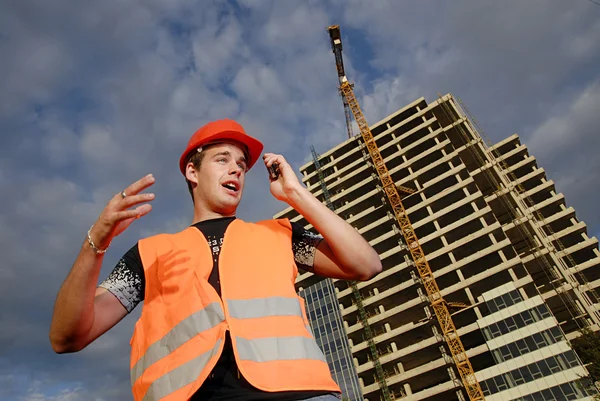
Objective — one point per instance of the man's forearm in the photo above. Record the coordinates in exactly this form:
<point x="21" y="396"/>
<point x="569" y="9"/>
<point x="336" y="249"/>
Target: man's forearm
<point x="352" y="251"/>
<point x="73" y="315"/>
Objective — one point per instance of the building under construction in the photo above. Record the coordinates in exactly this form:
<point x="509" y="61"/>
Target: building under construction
<point x="510" y="261"/>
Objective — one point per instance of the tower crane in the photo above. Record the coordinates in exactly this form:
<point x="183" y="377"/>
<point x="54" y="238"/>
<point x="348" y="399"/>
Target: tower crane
<point x="439" y="305"/>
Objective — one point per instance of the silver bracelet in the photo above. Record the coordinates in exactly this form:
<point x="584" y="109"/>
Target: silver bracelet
<point x="93" y="246"/>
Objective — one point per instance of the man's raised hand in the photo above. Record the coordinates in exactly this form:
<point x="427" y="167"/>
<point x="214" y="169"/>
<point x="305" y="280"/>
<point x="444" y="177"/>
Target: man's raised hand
<point x="119" y="212"/>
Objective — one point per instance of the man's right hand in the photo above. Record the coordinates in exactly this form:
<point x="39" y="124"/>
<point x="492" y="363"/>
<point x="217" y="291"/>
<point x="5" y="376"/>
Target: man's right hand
<point x="117" y="215"/>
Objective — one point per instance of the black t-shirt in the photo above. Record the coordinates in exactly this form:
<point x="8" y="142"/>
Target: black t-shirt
<point x="225" y="382"/>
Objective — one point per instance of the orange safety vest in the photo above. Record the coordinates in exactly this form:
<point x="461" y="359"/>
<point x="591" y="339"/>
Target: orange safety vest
<point x="181" y="331"/>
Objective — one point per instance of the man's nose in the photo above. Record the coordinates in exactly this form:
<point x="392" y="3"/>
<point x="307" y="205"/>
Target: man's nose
<point x="235" y="169"/>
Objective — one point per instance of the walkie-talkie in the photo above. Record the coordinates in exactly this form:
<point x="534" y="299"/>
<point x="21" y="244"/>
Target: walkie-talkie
<point x="274" y="171"/>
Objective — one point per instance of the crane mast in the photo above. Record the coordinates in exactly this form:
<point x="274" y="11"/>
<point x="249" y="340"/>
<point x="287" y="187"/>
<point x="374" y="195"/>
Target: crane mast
<point x="439" y="305"/>
<point x="339" y="62"/>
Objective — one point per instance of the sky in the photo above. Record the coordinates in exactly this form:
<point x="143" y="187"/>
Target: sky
<point x="95" y="96"/>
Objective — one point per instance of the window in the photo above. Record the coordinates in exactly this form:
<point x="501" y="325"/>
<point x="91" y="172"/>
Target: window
<point x="527" y="317"/>
<point x="503" y="327"/>
<point x="519" y="320"/>
<point x="510" y="322"/>
<point x="518" y="377"/>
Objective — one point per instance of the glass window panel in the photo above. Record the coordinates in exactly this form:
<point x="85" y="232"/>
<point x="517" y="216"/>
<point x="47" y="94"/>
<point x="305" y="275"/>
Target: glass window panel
<point x="484" y="388"/>
<point x="522" y="346"/>
<point x="526" y="374"/>
<point x="568" y="391"/>
<point x="511" y="324"/>
<point x="530" y="344"/>
<point x="514" y="350"/>
<point x="527" y="317"/>
<point x="486" y="333"/>
<point x="516" y="296"/>
<point x="495" y="330"/>
<point x="544" y="368"/>
<point x="557" y="393"/>
<point x="536" y="373"/>
<point x="553" y="365"/>
<point x="503" y="327"/>
<point x="518" y="377"/>
<point x="547" y="395"/>
<point x="497" y="356"/>
<point x="501" y="383"/>
<point x="492" y="386"/>
<point x="556" y="334"/>
<point x="519" y="320"/>
<point x="572" y="358"/>
<point x="539" y="340"/>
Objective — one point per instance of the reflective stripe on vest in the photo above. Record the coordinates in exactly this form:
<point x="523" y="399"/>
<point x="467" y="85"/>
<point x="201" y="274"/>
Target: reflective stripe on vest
<point x="272" y="348"/>
<point x="262" y="307"/>
<point x="278" y="349"/>
<point x="180" y="376"/>
<point x="187" y="329"/>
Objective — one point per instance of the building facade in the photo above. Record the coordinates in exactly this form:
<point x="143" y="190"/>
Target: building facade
<point x="325" y="317"/>
<point x="513" y="262"/>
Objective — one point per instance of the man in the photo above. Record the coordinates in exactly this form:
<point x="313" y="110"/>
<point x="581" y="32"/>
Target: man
<point x="221" y="318"/>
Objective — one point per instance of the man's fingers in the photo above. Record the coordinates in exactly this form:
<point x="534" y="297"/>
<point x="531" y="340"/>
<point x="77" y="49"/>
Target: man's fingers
<point x="125" y="218"/>
<point x="143" y="209"/>
<point x="139" y="185"/>
<point x="133" y="213"/>
<point x="135" y="199"/>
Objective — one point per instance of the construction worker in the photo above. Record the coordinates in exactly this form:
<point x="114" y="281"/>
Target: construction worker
<point x="221" y="318"/>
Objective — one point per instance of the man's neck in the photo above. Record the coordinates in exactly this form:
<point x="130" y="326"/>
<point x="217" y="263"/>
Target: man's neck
<point x="201" y="215"/>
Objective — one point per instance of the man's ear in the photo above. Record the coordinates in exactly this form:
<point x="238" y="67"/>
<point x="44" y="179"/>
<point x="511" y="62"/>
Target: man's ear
<point x="190" y="173"/>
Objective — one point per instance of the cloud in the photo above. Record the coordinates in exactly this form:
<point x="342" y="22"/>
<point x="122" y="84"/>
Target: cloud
<point x="93" y="98"/>
<point x="557" y="143"/>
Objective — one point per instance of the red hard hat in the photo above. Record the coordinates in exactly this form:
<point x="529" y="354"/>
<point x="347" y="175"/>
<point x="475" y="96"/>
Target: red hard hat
<point x="219" y="130"/>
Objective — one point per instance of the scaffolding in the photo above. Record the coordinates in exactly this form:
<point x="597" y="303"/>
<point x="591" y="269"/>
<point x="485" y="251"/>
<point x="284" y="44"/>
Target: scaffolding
<point x="528" y="221"/>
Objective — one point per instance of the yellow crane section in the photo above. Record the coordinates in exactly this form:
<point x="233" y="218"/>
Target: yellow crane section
<point x="435" y="297"/>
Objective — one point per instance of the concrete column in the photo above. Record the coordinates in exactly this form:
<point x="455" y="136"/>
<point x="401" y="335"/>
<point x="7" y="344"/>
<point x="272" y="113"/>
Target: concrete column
<point x="388" y="328"/>
<point x="375" y="291"/>
<point x="394" y="348"/>
<point x="469" y="293"/>
<point x="443" y="238"/>
<point x="381" y="309"/>
<point x="407" y="389"/>
<point x="513" y="276"/>
<point x="400" y="367"/>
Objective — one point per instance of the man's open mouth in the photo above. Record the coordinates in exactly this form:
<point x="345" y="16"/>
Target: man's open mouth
<point x="232" y="186"/>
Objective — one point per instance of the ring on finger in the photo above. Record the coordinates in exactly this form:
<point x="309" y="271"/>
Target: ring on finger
<point x="123" y="194"/>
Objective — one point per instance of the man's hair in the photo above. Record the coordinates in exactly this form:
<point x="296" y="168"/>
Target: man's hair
<point x="196" y="159"/>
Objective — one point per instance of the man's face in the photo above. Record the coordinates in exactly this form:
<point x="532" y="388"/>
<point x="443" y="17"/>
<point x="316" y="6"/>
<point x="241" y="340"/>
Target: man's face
<point x="221" y="178"/>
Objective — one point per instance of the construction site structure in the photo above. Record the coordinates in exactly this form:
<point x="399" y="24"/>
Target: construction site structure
<point x="390" y="188"/>
<point x="517" y="298"/>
